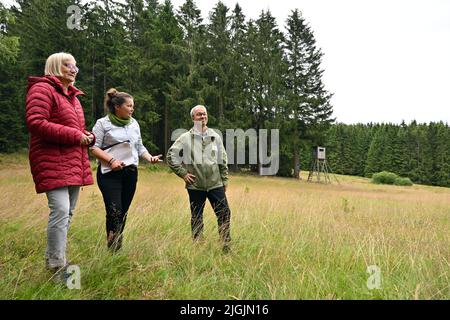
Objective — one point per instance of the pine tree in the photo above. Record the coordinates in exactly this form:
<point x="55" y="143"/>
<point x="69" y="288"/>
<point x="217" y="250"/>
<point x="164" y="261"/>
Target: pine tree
<point x="308" y="103"/>
<point x="400" y="149"/>
<point x="9" y="45"/>
<point x="11" y="123"/>
<point x="442" y="155"/>
<point x="42" y="29"/>
<point x="438" y="147"/>
<point x="239" y="113"/>
<point x="218" y="63"/>
<point x="185" y="91"/>
<point x="102" y="32"/>
<point x="265" y="68"/>
<point x="169" y="65"/>
<point x="376" y="152"/>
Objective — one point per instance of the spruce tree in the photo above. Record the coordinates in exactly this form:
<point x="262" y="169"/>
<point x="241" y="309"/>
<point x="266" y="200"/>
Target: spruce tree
<point x="9" y="45"/>
<point x="218" y="62"/>
<point x="11" y="123"/>
<point x="308" y="110"/>
<point x="185" y="91"/>
<point x="169" y="65"/>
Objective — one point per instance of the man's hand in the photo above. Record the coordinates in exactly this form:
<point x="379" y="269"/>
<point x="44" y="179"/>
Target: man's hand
<point x="189" y="178"/>
<point x="155" y="159"/>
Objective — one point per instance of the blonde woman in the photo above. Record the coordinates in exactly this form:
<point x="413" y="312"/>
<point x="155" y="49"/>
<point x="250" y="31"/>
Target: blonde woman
<point x="58" y="149"/>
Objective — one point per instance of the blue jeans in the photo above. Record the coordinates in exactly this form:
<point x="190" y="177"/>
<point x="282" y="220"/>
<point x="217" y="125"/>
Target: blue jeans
<point x="61" y="202"/>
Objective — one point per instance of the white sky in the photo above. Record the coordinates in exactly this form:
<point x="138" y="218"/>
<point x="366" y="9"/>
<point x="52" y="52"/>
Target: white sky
<point x="384" y="60"/>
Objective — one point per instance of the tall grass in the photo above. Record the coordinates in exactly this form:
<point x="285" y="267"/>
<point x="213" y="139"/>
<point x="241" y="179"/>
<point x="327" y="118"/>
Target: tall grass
<point x="291" y="240"/>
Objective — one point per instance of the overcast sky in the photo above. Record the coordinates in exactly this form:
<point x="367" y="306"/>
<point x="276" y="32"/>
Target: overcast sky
<point x="384" y="60"/>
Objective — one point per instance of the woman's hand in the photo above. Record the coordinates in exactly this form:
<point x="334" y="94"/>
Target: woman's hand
<point x="86" y="139"/>
<point x="117" y="165"/>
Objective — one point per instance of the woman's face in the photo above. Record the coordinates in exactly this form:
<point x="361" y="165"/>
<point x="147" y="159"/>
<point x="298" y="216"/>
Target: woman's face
<point x="126" y="109"/>
<point x="69" y="71"/>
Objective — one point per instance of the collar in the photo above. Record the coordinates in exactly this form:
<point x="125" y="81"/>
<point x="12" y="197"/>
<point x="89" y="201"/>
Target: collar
<point x="71" y="90"/>
<point x="203" y="134"/>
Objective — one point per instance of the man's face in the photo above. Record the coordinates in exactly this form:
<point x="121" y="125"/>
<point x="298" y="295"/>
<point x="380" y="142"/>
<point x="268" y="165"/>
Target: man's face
<point x="200" y="115"/>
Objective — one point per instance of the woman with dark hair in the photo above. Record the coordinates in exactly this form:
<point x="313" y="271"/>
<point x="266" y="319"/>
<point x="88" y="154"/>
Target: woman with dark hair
<point x="117" y="173"/>
<point x="58" y="149"/>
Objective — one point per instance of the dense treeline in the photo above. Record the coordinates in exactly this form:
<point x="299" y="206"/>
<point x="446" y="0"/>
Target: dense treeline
<point x="420" y="152"/>
<point x="247" y="72"/>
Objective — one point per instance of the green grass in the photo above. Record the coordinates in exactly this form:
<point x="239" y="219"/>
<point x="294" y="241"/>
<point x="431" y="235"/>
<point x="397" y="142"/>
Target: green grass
<point x="291" y="240"/>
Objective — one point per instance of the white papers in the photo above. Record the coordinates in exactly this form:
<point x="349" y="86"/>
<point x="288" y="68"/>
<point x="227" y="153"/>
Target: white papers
<point x="121" y="152"/>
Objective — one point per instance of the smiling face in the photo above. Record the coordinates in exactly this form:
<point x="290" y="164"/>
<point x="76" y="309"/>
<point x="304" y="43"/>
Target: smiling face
<point x="200" y="115"/>
<point x="69" y="71"/>
<point x="125" y="110"/>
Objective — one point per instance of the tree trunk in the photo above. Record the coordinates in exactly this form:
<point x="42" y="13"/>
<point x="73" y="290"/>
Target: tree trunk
<point x="166" y="129"/>
<point x="221" y="105"/>
<point x="296" y="164"/>
<point x="94" y="109"/>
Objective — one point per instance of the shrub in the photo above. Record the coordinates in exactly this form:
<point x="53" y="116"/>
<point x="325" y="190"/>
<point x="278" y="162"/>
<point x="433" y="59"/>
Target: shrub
<point x="403" y="182"/>
<point x="384" y="177"/>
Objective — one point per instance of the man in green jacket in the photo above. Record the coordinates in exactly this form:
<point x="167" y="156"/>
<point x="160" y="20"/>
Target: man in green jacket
<point x="199" y="158"/>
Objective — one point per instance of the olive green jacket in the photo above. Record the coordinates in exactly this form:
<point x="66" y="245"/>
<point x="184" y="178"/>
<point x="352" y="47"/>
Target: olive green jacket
<point x="203" y="156"/>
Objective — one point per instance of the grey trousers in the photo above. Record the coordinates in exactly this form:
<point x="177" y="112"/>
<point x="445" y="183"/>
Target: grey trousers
<point x="61" y="202"/>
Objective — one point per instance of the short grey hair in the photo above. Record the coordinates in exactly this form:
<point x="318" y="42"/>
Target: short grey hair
<point x="199" y="105"/>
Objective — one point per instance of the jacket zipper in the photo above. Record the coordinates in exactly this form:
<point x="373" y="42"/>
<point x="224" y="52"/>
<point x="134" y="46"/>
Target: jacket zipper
<point x="82" y="130"/>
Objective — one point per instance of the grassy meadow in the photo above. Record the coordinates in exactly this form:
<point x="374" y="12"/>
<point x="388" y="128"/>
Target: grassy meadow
<point x="291" y="240"/>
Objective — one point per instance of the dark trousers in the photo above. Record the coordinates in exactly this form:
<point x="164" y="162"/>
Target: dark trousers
<point x="219" y="203"/>
<point x="118" y="188"/>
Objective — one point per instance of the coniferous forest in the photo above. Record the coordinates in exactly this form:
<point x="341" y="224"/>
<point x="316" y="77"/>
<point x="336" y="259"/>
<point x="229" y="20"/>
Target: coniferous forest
<point x="248" y="73"/>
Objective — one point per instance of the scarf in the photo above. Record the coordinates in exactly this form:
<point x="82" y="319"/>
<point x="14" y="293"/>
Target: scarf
<point x="118" y="121"/>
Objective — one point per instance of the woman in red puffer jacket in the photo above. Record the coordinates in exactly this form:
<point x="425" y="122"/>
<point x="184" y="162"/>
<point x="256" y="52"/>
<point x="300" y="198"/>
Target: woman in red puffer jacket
<point x="58" y="149"/>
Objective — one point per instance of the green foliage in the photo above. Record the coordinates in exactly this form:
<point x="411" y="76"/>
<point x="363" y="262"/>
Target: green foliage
<point x="418" y="151"/>
<point x="9" y="45"/>
<point x="307" y="109"/>
<point x="403" y="182"/>
<point x="249" y="74"/>
<point x="384" y="177"/>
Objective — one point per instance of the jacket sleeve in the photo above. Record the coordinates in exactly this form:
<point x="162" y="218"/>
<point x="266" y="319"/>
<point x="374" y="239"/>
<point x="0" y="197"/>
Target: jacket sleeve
<point x="38" y="112"/>
<point x="223" y="163"/>
<point x="174" y="159"/>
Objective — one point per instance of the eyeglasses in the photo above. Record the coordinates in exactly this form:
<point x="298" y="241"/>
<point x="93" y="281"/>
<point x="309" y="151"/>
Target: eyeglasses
<point x="72" y="67"/>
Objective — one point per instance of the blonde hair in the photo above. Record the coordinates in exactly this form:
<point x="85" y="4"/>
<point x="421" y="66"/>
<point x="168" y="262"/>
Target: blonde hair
<point x="54" y="63"/>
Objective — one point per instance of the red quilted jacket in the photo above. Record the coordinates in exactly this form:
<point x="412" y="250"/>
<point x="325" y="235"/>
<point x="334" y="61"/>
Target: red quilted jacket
<point x="56" y="122"/>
